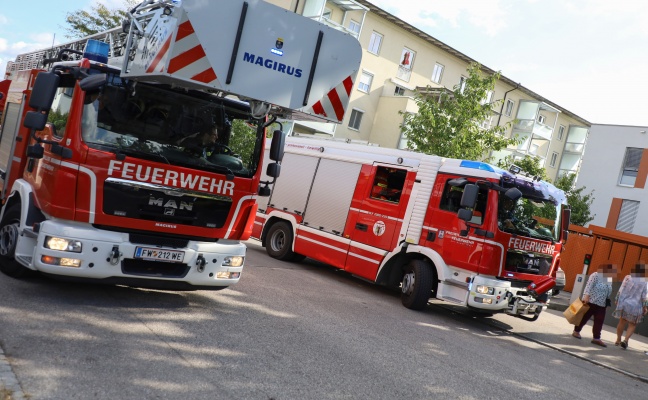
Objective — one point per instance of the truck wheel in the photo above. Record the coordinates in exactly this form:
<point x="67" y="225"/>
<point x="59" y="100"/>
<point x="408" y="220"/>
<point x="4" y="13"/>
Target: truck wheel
<point x="279" y="242"/>
<point x="9" y="234"/>
<point x="416" y="286"/>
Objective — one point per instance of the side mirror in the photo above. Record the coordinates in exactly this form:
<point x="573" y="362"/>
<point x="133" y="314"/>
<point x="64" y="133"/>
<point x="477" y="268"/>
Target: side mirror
<point x="93" y="82"/>
<point x="469" y="197"/>
<point x="565" y="236"/>
<point x="35" y="120"/>
<point x="513" y="194"/>
<point x="464" y="214"/>
<point x="273" y="170"/>
<point x="44" y="91"/>
<point x="277" y="146"/>
<point x="566" y="218"/>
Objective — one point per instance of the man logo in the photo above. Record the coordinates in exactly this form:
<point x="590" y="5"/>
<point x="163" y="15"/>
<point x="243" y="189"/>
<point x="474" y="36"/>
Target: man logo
<point x="169" y="212"/>
<point x="279" y="43"/>
<point x="169" y="204"/>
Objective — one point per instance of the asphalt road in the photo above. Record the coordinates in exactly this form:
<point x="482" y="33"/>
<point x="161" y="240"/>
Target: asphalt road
<point x="286" y="331"/>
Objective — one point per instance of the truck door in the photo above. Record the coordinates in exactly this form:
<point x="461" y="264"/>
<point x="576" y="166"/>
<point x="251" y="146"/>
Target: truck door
<point x="374" y="225"/>
<point x="447" y="234"/>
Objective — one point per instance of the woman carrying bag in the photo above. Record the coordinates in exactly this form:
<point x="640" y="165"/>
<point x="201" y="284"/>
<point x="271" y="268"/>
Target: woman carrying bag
<point x="631" y="302"/>
<point x="596" y="294"/>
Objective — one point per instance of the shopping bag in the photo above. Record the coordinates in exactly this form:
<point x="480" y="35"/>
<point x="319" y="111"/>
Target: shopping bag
<point x="574" y="313"/>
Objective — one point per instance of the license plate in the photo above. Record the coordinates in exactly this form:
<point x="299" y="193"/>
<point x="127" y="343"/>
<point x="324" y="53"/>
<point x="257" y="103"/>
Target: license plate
<point x="148" y="253"/>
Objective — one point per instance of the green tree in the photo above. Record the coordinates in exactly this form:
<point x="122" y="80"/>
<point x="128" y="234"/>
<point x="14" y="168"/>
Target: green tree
<point x="83" y="23"/>
<point x="243" y="140"/>
<point x="579" y="202"/>
<point x="449" y="125"/>
<point x="529" y="165"/>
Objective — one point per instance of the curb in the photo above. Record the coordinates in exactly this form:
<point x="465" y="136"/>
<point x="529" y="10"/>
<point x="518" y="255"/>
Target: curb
<point x="8" y="380"/>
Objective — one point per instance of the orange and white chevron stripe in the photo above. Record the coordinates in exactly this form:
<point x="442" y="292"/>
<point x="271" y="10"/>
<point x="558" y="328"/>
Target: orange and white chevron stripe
<point x="188" y="58"/>
<point x="333" y="105"/>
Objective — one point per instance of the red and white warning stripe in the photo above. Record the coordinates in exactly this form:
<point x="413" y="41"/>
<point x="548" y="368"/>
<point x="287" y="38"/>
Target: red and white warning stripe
<point x="333" y="105"/>
<point x="188" y="58"/>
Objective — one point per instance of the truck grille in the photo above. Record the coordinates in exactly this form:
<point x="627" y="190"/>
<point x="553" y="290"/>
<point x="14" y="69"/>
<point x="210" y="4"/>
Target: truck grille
<point x="527" y="263"/>
<point x="166" y="205"/>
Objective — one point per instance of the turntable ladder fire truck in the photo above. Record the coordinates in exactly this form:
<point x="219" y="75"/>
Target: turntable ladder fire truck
<point x="455" y="230"/>
<point x="136" y="157"/>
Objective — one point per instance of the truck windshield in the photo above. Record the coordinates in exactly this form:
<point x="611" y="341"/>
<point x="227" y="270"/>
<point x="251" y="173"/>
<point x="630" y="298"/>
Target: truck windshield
<point x="191" y="129"/>
<point x="530" y="217"/>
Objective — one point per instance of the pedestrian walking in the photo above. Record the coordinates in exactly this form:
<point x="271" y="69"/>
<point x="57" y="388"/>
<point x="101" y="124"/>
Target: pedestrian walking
<point x="631" y="303"/>
<point x="596" y="294"/>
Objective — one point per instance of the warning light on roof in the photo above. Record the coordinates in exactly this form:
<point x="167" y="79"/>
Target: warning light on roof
<point x="477" y="165"/>
<point x="96" y="51"/>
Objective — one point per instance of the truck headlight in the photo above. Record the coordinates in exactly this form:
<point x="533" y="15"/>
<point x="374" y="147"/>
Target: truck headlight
<point x="62" y="244"/>
<point x="233" y="261"/>
<point x="482" y="289"/>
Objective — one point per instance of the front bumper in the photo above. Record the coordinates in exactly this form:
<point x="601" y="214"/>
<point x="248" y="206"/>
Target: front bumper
<point x="110" y="257"/>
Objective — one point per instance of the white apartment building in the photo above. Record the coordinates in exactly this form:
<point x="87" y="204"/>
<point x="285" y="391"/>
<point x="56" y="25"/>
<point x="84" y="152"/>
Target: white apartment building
<point x="615" y="166"/>
<point x="399" y="60"/>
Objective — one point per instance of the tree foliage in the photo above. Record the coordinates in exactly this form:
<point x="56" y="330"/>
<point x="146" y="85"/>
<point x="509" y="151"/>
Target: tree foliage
<point x="578" y="201"/>
<point x="448" y="125"/>
<point x="529" y="165"/>
<point x="84" y="23"/>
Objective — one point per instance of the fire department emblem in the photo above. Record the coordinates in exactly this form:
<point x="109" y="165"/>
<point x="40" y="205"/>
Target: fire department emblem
<point x="279" y="43"/>
<point x="379" y="228"/>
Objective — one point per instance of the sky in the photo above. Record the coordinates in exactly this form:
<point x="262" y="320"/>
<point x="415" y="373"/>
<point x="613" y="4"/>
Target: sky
<point x="587" y="56"/>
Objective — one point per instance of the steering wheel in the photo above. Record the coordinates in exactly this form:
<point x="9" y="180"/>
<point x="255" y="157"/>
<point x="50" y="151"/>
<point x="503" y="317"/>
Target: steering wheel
<point x="222" y="149"/>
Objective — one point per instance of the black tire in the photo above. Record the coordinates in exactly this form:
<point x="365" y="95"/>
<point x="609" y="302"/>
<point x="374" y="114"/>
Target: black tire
<point x="8" y="238"/>
<point x="416" y="285"/>
<point x="279" y="242"/>
<point x="555" y="292"/>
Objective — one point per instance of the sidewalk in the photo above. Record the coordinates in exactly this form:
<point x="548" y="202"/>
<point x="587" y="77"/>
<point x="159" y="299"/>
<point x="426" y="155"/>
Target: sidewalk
<point x="553" y="330"/>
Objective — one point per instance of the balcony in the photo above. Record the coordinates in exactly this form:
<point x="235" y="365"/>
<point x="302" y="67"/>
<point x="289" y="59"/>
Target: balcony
<point x="533" y="126"/>
<point x="344" y="15"/>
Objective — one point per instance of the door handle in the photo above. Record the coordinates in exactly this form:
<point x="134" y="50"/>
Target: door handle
<point x="362" y="227"/>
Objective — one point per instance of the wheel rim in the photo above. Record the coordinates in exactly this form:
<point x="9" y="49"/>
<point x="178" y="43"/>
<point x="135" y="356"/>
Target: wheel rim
<point x="278" y="241"/>
<point x="8" y="239"/>
<point x="408" y="283"/>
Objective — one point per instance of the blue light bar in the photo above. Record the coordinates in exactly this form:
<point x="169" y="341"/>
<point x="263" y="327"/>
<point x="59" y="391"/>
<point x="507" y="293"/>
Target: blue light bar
<point x="477" y="165"/>
<point x="96" y="51"/>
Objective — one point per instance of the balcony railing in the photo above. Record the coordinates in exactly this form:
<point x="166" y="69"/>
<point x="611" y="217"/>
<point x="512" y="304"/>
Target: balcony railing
<point x="335" y="25"/>
<point x="532" y="126"/>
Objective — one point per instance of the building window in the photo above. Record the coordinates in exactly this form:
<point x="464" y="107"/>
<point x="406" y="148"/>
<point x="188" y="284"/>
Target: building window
<point x="462" y="84"/>
<point x="355" y="119"/>
<point x="406" y="64"/>
<point x="508" y="110"/>
<point x="627" y="216"/>
<point x="365" y="82"/>
<point x="554" y="158"/>
<point x="327" y="13"/>
<point x="489" y="97"/>
<point x="374" y="43"/>
<point x="541" y="119"/>
<point x="354" y="26"/>
<point x="399" y="91"/>
<point x="561" y="132"/>
<point x="630" y="166"/>
<point x="437" y="73"/>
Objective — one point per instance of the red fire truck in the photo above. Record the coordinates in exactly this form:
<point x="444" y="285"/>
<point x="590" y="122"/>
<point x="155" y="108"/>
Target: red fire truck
<point x="136" y="157"/>
<point x="456" y="230"/>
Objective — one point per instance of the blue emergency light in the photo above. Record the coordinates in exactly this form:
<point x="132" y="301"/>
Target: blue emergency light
<point x="96" y="51"/>
<point x="477" y="165"/>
